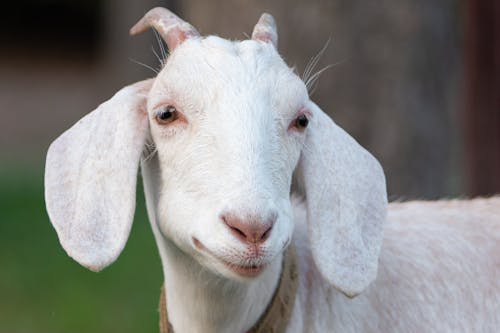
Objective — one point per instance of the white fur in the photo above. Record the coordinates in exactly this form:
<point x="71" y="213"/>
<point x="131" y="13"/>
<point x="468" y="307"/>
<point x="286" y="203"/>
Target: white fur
<point x="439" y="271"/>
<point x="233" y="150"/>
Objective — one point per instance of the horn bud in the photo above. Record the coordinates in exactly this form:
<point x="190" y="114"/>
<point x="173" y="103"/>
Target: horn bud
<point x="265" y="30"/>
<point x="171" y="28"/>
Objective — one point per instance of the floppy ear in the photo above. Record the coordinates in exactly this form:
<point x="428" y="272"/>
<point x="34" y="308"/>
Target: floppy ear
<point x="346" y="204"/>
<point x="90" y="177"/>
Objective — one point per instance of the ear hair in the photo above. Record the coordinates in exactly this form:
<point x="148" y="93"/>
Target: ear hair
<point x="91" y="174"/>
<point x="346" y="204"/>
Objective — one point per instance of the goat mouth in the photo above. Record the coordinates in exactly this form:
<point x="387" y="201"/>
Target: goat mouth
<point x="247" y="271"/>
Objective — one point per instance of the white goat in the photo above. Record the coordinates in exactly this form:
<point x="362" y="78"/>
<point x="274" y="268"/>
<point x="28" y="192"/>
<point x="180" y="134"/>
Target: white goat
<point x="228" y="123"/>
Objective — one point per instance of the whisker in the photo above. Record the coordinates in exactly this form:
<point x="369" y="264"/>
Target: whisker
<point x="313" y="79"/>
<point x="151" y="155"/>
<point x="149" y="151"/>
<point x="310" y="66"/>
<point x="160" y="60"/>
<point x="314" y="61"/>
<point x="160" y="44"/>
<point x="144" y="65"/>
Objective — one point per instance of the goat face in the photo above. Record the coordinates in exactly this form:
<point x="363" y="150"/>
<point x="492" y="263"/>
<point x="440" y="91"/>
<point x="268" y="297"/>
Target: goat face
<point x="228" y="121"/>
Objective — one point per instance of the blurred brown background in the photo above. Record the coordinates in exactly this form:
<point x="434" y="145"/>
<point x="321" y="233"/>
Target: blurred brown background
<point x="405" y="83"/>
<point x="416" y="82"/>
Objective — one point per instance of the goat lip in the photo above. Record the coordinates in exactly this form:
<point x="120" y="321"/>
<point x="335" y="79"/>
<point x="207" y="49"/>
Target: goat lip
<point x="244" y="271"/>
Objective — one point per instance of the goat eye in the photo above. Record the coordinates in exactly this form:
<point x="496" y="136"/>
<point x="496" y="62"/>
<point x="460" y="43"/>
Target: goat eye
<point x="301" y="122"/>
<point x="166" y="115"/>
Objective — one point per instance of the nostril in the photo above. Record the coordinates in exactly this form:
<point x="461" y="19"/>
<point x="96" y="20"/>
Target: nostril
<point x="250" y="230"/>
<point x="266" y="233"/>
<point x="233" y="224"/>
<point x="238" y="232"/>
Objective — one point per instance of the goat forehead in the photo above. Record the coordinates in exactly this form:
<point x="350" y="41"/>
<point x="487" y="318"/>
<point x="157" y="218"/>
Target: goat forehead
<point x="214" y="69"/>
<point x="235" y="57"/>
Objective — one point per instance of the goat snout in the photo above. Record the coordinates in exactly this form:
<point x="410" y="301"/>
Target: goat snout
<point x="250" y="230"/>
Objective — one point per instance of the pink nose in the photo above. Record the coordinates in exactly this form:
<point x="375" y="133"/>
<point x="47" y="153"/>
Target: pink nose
<point x="250" y="230"/>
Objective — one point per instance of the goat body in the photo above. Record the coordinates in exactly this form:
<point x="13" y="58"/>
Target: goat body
<point x="228" y="126"/>
<point x="439" y="271"/>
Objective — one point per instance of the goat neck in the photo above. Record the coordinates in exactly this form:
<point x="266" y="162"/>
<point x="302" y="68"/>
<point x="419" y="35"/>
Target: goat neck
<point x="200" y="300"/>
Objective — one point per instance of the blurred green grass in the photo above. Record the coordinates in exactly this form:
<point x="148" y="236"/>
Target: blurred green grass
<point x="44" y="290"/>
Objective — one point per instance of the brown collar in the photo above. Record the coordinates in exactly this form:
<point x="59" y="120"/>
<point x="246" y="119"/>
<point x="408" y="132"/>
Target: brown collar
<point x="278" y="312"/>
